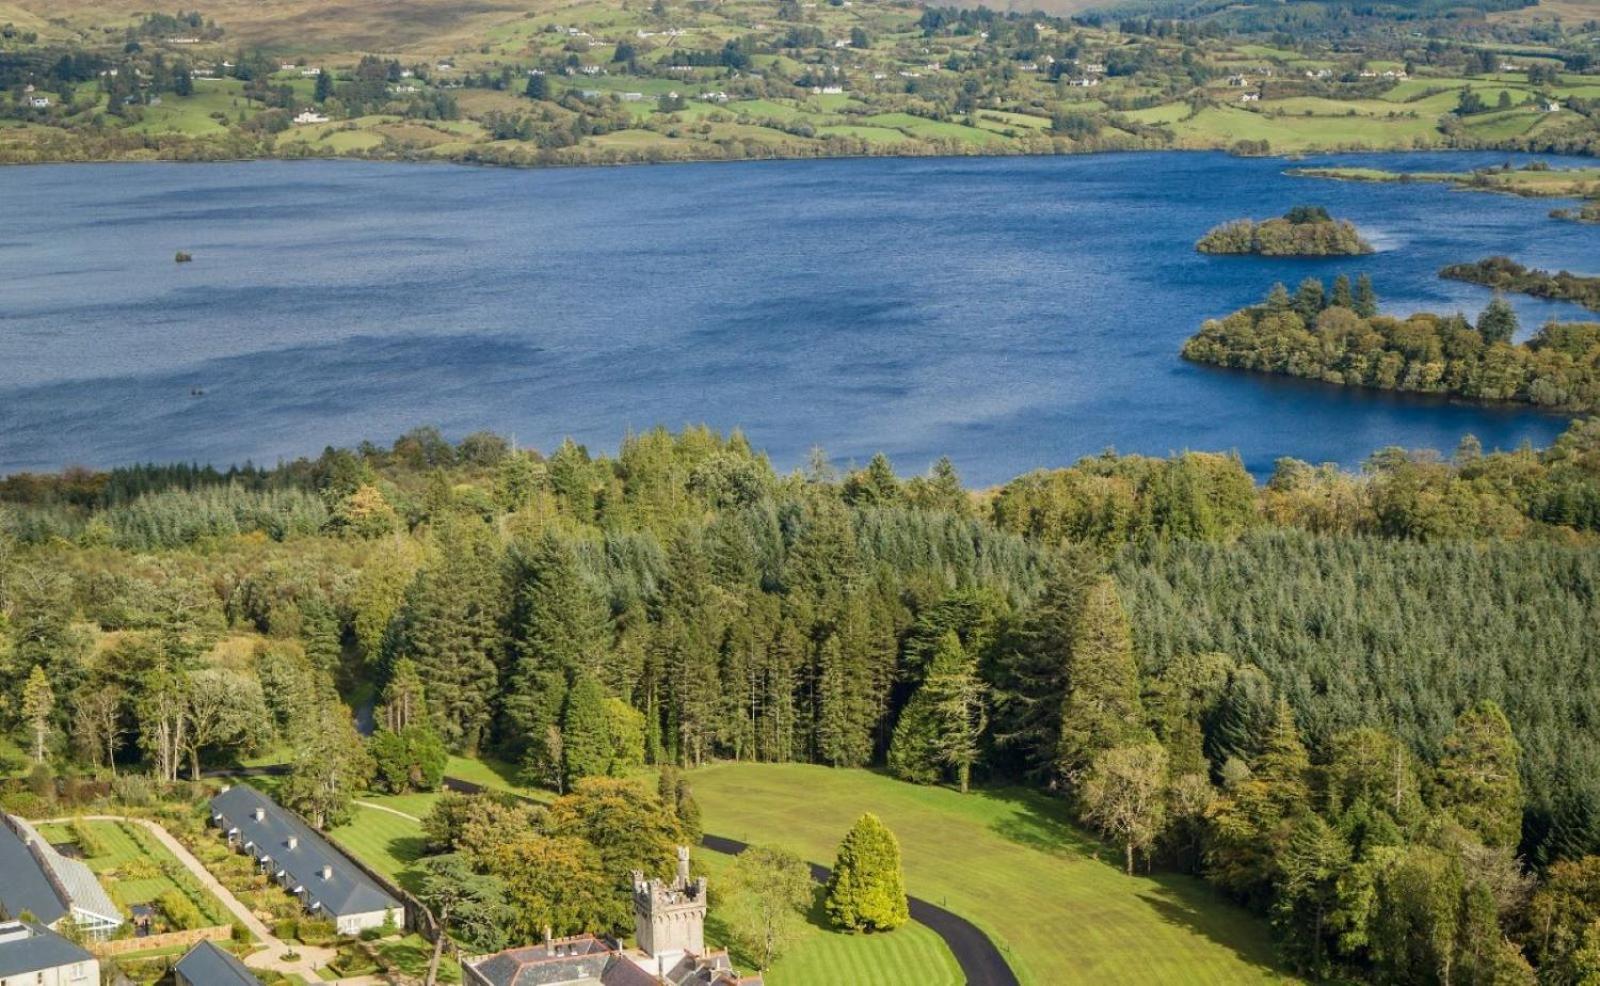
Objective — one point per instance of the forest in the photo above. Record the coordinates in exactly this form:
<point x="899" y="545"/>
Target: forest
<point x="1358" y="702"/>
<point x="1505" y="274"/>
<point x="1338" y="336"/>
<point x="1304" y="231"/>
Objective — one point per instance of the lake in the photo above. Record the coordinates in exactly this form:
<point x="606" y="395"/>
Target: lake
<point x="1012" y="313"/>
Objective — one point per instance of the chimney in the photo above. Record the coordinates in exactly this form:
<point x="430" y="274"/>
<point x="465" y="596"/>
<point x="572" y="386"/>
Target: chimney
<point x="547" y="935"/>
<point x="683" y="866"/>
<point x="327" y="872"/>
<point x="226" y="788"/>
<point x="294" y="842"/>
<point x="261" y="814"/>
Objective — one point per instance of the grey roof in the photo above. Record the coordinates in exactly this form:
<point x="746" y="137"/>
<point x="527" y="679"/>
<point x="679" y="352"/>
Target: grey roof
<point x="206" y="964"/>
<point x="346" y="891"/>
<point x="589" y="960"/>
<point x="36" y="951"/>
<point x="82" y="887"/>
<point x="24" y="883"/>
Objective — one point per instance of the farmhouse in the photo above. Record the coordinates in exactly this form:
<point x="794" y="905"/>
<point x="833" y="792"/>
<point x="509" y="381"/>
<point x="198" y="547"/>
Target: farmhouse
<point x="324" y="879"/>
<point x="668" y="924"/>
<point x="1250" y="97"/>
<point x="37" y="879"/>
<point x="31" y="955"/>
<point x="310" y="116"/>
<point x="207" y="964"/>
<point x="39" y="102"/>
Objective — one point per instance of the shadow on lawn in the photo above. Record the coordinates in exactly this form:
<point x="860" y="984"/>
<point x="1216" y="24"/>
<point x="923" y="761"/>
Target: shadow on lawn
<point x="1187" y="902"/>
<point x="1040" y="822"/>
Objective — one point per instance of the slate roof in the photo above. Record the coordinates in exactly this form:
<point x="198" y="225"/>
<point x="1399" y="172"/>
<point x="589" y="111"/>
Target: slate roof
<point x="346" y="891"/>
<point x="590" y="960"/>
<point x="206" y="964"/>
<point x="36" y="951"/>
<point x="74" y="876"/>
<point x="24" y="886"/>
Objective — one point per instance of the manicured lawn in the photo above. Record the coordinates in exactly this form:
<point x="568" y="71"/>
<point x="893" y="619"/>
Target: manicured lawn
<point x="909" y="956"/>
<point x="1056" y="904"/>
<point x="387" y="842"/>
<point x="136" y="869"/>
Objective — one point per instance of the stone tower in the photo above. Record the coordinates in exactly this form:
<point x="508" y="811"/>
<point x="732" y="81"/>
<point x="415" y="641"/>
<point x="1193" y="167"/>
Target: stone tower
<point x="670" y="919"/>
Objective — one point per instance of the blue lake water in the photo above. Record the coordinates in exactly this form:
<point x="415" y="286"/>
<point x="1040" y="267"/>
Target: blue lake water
<point x="1011" y="313"/>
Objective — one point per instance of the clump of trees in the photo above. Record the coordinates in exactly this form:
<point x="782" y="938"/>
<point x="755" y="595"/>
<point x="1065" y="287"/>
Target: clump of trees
<point x="1505" y="274"/>
<point x="1170" y="646"/>
<point x="1330" y="337"/>
<point x="1304" y="231"/>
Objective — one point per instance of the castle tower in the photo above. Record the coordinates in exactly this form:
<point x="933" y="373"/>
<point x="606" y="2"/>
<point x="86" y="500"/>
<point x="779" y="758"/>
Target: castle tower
<point x="670" y="919"/>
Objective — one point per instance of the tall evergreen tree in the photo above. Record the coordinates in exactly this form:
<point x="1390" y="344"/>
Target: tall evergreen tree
<point x="1498" y="321"/>
<point x="866" y="889"/>
<point x="450" y="627"/>
<point x="1102" y="707"/>
<point x="585" y="738"/>
<point x="1479" y="780"/>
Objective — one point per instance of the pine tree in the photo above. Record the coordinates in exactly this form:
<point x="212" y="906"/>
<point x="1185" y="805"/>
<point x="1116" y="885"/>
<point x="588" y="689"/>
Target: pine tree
<point x="866" y="890"/>
<point x="1278" y="301"/>
<point x="1366" y="299"/>
<point x="1341" y="296"/>
<point x="403" y="696"/>
<point x="941" y="725"/>
<point x="450" y="627"/>
<point x="1498" y="321"/>
<point x="1478" y="778"/>
<point x="586" y="742"/>
<point x="1309" y="298"/>
<point x="38" y="705"/>
<point x="538" y="87"/>
<point x="1283" y="763"/>
<point x="324" y="87"/>
<point x="1102" y="708"/>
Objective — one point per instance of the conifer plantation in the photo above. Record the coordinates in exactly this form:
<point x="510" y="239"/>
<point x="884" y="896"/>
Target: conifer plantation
<point x="1359" y="703"/>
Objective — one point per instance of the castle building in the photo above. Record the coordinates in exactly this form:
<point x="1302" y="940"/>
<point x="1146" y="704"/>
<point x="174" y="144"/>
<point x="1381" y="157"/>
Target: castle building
<point x="669" y="929"/>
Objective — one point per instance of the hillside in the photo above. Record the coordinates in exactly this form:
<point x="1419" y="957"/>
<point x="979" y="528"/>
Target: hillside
<point x="1007" y="860"/>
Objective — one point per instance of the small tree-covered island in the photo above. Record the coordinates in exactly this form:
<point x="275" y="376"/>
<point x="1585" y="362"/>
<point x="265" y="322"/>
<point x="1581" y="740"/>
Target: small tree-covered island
<point x="1505" y="274"/>
<point x="1304" y="231"/>
<point x="1339" y="337"/>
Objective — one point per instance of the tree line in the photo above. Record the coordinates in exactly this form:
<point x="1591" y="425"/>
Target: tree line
<point x="1294" y="688"/>
<point x="1324" y="336"/>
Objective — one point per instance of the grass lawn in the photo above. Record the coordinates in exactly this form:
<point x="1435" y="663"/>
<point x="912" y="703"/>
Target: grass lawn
<point x="136" y="869"/>
<point x="1056" y="904"/>
<point x="385" y="841"/>
<point x="909" y="956"/>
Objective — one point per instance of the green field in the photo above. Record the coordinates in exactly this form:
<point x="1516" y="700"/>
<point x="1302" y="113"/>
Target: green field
<point x="1007" y="860"/>
<point x="385" y="841"/>
<point x="135" y="868"/>
<point x="910" y="956"/>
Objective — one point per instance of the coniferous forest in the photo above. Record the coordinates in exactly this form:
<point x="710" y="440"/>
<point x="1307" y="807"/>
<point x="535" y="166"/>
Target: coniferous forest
<point x="1361" y="703"/>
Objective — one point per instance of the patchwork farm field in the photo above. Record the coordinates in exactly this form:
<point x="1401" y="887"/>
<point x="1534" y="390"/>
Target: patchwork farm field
<point x="1060" y="910"/>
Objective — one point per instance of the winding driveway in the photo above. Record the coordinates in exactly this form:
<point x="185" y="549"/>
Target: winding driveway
<point x="980" y="961"/>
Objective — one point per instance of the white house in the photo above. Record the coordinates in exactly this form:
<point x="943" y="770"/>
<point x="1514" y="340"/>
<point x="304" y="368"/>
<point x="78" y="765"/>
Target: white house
<point x="328" y="883"/>
<point x="310" y="116"/>
<point x="33" y="955"/>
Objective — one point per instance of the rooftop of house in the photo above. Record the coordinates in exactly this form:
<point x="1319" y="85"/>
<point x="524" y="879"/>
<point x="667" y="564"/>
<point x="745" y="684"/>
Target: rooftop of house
<point x="207" y="964"/>
<point x="37" y="879"/>
<point x="585" y="960"/>
<point x="26" y="948"/>
<point x="300" y="852"/>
